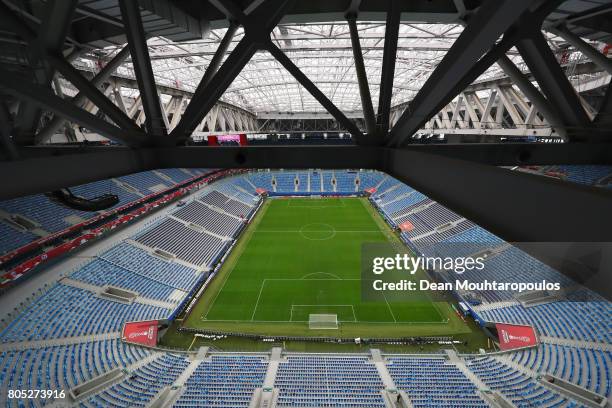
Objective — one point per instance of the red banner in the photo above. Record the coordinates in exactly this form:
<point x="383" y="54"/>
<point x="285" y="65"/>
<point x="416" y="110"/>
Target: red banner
<point x="260" y="191"/>
<point x="370" y="190"/>
<point x="243" y="139"/>
<point x="144" y="332"/>
<point x="406" y="226"/>
<point x="213" y="140"/>
<point x="513" y="336"/>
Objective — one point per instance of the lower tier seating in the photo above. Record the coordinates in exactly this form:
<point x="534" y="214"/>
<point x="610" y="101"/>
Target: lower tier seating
<point x="141" y="262"/>
<point x="223" y="382"/>
<point x="141" y="385"/>
<point x="66" y="366"/>
<point x="199" y="248"/>
<point x="225" y="203"/>
<point x="330" y="382"/>
<point x="523" y="391"/>
<point x="101" y="273"/>
<point x="66" y="311"/>
<point x="450" y="388"/>
<point x="588" y="321"/>
<point x="213" y="221"/>
<point x="586" y="367"/>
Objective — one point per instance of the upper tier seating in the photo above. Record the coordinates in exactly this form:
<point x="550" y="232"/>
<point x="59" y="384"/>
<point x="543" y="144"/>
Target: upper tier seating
<point x="587" y="174"/>
<point x="384" y="187"/>
<point x="178" y="175"/>
<point x="99" y="188"/>
<point x="242" y="183"/>
<point x="147" y="182"/>
<point x="13" y="238"/>
<point x="51" y="217"/>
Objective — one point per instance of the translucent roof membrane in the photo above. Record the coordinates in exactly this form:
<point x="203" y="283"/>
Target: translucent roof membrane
<point x="323" y="52"/>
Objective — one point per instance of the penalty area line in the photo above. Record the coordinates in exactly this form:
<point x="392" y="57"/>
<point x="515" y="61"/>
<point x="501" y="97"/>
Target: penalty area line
<point x="258" y="297"/>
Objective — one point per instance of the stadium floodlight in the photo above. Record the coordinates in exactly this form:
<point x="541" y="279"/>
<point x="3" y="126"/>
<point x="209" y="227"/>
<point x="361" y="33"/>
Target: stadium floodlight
<point x="322" y="321"/>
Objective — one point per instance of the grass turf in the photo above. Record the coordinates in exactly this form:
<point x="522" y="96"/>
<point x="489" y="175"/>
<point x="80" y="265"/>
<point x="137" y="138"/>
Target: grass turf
<point x="302" y="256"/>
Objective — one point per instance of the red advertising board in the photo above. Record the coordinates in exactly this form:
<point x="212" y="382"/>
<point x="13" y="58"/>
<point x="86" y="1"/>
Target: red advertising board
<point x="260" y="191"/>
<point x="370" y="190"/>
<point x="144" y="332"/>
<point x="513" y="336"/>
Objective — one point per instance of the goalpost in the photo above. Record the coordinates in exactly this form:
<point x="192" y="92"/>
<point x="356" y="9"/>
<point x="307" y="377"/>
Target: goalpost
<point x="322" y="321"/>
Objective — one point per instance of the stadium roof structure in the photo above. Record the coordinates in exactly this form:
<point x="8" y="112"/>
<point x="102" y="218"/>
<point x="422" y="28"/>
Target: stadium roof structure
<point x="324" y="53"/>
<point x="350" y="58"/>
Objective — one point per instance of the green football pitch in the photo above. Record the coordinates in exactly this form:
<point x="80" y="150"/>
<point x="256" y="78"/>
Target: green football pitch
<point x="302" y="256"/>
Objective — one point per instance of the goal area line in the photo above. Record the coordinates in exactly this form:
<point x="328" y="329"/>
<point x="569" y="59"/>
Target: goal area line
<point x="313" y="306"/>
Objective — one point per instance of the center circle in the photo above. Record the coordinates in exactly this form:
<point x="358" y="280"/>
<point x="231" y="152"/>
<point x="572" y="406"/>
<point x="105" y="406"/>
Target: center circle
<point x="317" y="231"/>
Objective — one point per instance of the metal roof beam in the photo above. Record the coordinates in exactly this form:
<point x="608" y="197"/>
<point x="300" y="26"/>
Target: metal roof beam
<point x="93" y="93"/>
<point x="388" y="66"/>
<point x="111" y="66"/>
<point x="532" y="94"/>
<point x="559" y="91"/>
<point x="137" y="43"/>
<point x="593" y="54"/>
<point x="49" y="38"/>
<point x="463" y="60"/>
<point x="42" y="97"/>
<point x="257" y="25"/>
<point x="315" y="92"/>
<point x="362" y="77"/>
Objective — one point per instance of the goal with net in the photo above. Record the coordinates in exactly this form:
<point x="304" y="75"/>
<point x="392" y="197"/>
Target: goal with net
<point x="323" y="321"/>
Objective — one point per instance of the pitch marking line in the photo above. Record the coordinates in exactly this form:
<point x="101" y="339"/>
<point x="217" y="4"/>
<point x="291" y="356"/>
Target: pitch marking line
<point x="303" y="321"/>
<point x="318" y="205"/>
<point x="336" y="277"/>
<point x="321" y="279"/>
<point x="261" y="212"/>
<point x="337" y="231"/>
<point x="343" y="321"/>
<point x="258" y="297"/>
<point x="288" y="279"/>
<point x="389" y="307"/>
<point x="331" y="230"/>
